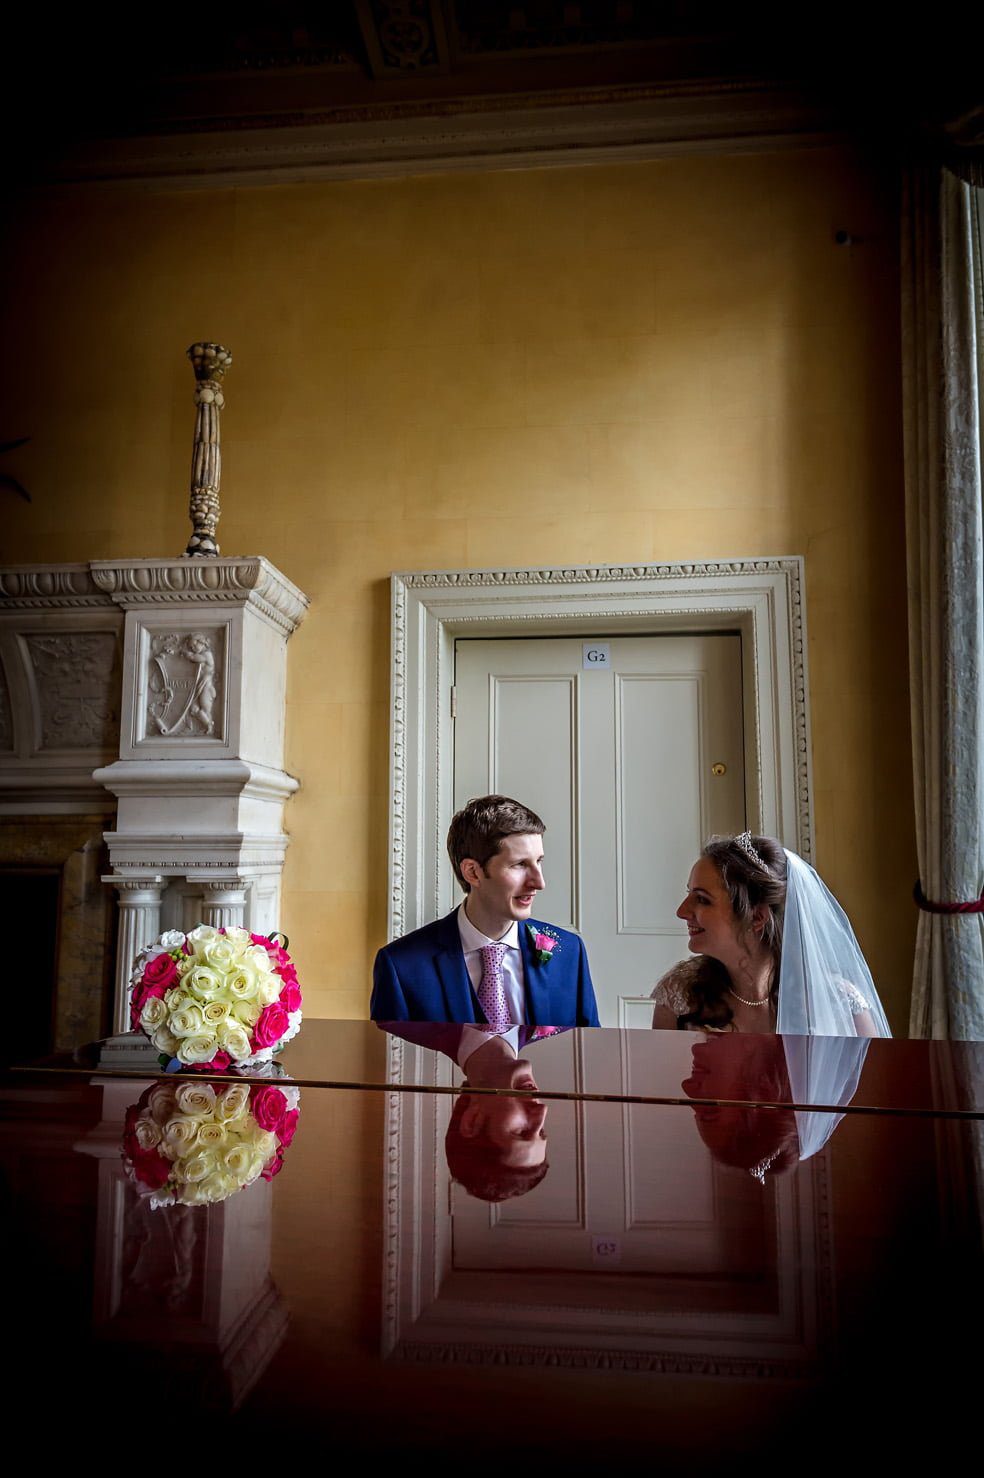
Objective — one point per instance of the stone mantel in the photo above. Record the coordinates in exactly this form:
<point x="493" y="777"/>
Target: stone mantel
<point x="127" y="583"/>
<point x="130" y="687"/>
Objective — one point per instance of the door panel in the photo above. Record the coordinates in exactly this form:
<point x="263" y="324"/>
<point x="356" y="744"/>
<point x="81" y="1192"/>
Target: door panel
<point x="631" y="767"/>
<point x="533" y="750"/>
<point x="658" y="793"/>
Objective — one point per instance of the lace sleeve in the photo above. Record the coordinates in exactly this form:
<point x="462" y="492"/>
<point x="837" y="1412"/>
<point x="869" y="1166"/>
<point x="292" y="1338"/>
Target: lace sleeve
<point x="673" y="989"/>
<point x="855" y="1000"/>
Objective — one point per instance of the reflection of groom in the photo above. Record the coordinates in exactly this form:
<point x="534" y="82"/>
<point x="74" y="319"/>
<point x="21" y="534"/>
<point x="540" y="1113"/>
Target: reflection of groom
<point x="489" y="961"/>
<point x="496" y="1143"/>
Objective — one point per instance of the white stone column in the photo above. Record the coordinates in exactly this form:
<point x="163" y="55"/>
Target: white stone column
<point x="140" y="924"/>
<point x="224" y="904"/>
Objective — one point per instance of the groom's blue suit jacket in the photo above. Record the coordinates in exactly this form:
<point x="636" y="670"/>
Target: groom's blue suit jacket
<point x="423" y="977"/>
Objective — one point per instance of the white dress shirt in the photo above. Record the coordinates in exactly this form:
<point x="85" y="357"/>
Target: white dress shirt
<point x="513" y="980"/>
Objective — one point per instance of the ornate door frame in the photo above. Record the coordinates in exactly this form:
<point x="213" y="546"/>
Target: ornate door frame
<point x="761" y="599"/>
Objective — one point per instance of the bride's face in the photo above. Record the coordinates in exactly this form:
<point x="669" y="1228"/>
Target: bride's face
<point x="711" y="924"/>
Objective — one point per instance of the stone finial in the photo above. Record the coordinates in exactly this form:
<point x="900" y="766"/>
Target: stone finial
<point x="210" y="362"/>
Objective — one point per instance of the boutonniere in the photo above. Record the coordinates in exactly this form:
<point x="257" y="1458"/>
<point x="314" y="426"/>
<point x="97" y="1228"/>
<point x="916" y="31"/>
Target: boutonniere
<point x="543" y="942"/>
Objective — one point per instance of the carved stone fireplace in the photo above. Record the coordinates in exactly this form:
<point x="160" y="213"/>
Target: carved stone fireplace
<point x="149" y="694"/>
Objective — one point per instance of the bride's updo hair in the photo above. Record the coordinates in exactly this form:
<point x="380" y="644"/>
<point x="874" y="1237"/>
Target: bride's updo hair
<point x="749" y="883"/>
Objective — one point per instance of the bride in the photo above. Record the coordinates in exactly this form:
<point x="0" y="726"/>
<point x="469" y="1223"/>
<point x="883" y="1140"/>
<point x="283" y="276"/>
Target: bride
<point x="771" y="950"/>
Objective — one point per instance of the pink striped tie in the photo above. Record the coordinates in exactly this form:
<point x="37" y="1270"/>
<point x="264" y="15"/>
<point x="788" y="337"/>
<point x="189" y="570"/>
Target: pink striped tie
<point x="492" y="989"/>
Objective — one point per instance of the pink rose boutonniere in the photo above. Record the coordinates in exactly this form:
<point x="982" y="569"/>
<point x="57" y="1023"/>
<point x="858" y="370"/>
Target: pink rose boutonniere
<point x="544" y="944"/>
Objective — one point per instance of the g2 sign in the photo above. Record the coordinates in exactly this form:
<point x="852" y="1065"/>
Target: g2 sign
<point x="595" y="655"/>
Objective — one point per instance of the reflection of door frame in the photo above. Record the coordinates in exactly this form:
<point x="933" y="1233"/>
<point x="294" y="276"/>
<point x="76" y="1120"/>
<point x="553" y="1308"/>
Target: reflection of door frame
<point x="761" y="599"/>
<point x="435" y="1313"/>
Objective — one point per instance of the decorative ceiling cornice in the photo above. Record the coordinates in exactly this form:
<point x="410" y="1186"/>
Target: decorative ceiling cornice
<point x="587" y="126"/>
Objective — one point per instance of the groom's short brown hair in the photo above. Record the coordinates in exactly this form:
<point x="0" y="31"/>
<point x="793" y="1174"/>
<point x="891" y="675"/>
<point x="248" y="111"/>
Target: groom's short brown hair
<point x="478" y="829"/>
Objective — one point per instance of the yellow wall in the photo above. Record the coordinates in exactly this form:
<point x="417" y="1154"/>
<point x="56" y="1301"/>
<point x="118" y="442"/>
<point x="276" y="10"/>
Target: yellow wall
<point x="651" y="361"/>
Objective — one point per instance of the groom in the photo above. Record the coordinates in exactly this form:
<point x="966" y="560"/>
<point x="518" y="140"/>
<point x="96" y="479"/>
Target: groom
<point x="489" y="961"/>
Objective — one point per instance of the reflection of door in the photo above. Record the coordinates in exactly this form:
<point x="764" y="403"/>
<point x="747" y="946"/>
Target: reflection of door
<point x="630" y="1187"/>
<point x="630" y="766"/>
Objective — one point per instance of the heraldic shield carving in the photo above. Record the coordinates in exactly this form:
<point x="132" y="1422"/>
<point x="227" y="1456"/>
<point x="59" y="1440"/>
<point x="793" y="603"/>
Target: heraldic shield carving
<point x="182" y="685"/>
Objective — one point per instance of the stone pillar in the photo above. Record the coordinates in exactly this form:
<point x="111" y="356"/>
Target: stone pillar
<point x="140" y="924"/>
<point x="224" y="904"/>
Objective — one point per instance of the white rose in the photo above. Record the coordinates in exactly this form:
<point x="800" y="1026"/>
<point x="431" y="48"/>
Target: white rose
<point x="258" y="957"/>
<point x="196" y="1099"/>
<point x="238" y="1160"/>
<point x="177" y="999"/>
<point x="188" y="1022"/>
<point x="200" y="1048"/>
<point x="219" y="1185"/>
<point x="147" y="1133"/>
<point x="180" y="1134"/>
<point x="165" y="1041"/>
<point x="215" y="1011"/>
<point x="247" y="1012"/>
<point x="193" y="1194"/>
<point x="153" y="1015"/>
<point x="242" y="984"/>
<point x="270" y="989"/>
<point x="160" y="1102"/>
<point x="194" y="1167"/>
<point x="215" y="1186"/>
<point x="237" y="935"/>
<point x="219" y="954"/>
<point x="257" y="1165"/>
<point x="234" y="1040"/>
<point x="202" y="982"/>
<point x="212" y="1134"/>
<point x="172" y="939"/>
<point x="264" y="1142"/>
<point x="232" y="1101"/>
<point x="203" y="933"/>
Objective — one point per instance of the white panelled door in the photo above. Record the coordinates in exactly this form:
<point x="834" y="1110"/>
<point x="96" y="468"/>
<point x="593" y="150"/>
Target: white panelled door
<point x="631" y="766"/>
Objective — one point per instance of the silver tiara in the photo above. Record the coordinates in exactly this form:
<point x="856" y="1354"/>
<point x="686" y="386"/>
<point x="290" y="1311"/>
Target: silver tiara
<point x="758" y="1171"/>
<point x="744" y="841"/>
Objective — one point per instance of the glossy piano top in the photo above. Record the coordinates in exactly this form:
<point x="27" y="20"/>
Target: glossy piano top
<point x="689" y="1283"/>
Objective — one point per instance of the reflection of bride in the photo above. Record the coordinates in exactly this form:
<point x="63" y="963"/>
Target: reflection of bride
<point x="771" y="950"/>
<point x="789" y="1074"/>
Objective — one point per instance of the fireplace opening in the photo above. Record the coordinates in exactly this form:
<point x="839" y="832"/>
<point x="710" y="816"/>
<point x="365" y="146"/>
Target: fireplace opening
<point x="31" y="904"/>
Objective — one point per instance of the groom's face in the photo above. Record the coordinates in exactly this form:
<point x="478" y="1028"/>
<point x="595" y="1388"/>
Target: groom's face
<point x="508" y="883"/>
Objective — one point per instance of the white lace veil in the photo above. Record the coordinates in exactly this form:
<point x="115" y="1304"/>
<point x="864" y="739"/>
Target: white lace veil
<point x="823" y="1070"/>
<point x="823" y="977"/>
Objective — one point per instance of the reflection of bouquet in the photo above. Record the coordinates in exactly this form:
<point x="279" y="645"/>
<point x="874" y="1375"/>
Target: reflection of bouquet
<point x="216" y="997"/>
<point x="193" y="1143"/>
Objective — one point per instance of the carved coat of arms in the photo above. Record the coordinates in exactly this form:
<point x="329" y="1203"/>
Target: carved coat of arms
<point x="181" y="685"/>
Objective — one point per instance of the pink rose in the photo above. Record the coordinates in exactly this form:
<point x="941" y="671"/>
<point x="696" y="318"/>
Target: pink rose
<point x="287" y="973"/>
<point x="290" y="998"/>
<point x="269" y="1106"/>
<point x="544" y="942"/>
<point x="272" y="1025"/>
<point x="150" y="1168"/>
<point x="274" y="1167"/>
<point x="219" y="1064"/>
<point x="159" y="975"/>
<point x="288" y="1128"/>
<point x="277" y="953"/>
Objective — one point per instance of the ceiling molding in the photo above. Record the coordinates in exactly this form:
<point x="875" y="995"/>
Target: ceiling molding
<point x="532" y="131"/>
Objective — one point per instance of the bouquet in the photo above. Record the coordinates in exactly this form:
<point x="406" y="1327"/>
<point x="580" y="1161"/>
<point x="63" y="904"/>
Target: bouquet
<point x="191" y="1144"/>
<point x="215" y="998"/>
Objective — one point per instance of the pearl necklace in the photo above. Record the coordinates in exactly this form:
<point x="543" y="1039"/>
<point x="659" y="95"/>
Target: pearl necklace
<point x="743" y="1002"/>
